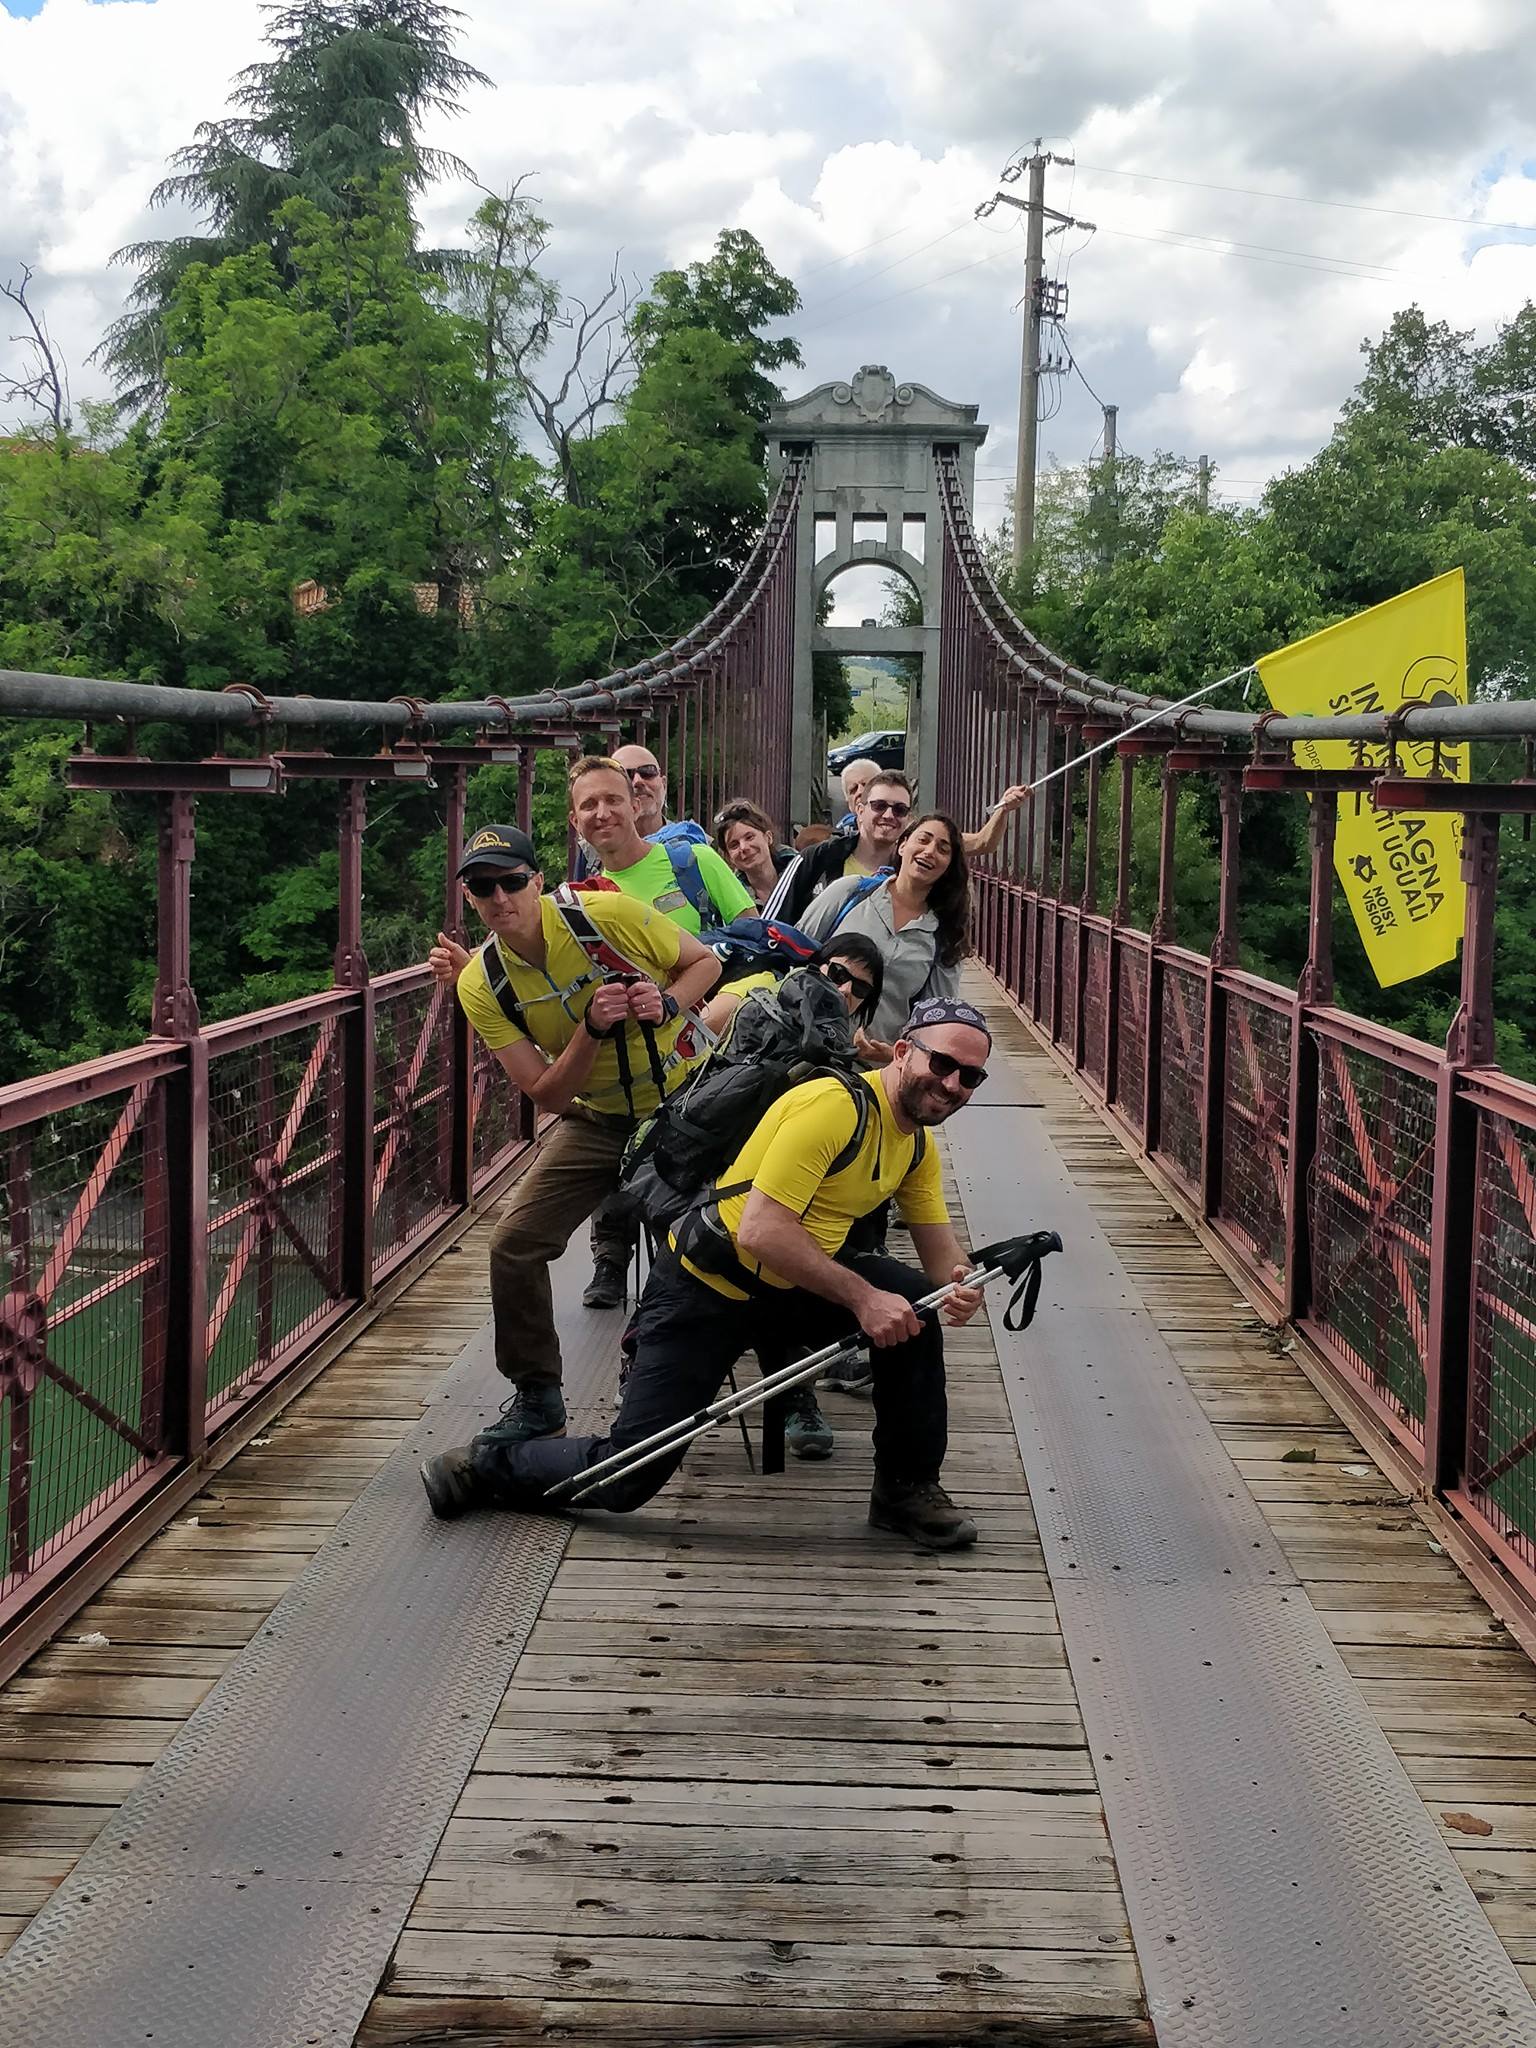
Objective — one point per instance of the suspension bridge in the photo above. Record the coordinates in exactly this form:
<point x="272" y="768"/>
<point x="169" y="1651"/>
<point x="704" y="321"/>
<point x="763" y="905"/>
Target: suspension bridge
<point x="1225" y="1734"/>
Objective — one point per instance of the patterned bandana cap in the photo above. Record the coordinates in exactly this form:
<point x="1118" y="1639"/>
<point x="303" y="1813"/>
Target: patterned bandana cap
<point x="941" y="1010"/>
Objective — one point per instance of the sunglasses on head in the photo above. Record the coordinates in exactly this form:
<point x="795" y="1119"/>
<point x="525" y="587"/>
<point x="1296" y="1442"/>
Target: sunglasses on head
<point x="731" y="815"/>
<point x="844" y="977"/>
<point x="941" y="1066"/>
<point x="649" y="773"/>
<point x="881" y="804"/>
<point x="485" y="886"/>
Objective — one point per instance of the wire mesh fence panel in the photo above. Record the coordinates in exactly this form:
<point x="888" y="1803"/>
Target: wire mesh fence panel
<point x="84" y="1320"/>
<point x="1130" y="1034"/>
<point x="498" y="1110"/>
<point x="275" y="1196"/>
<point x="1369" y="1219"/>
<point x="1095" y="997"/>
<point x="1501" y="1423"/>
<point x="1255" y="1141"/>
<point x="413" y="1053"/>
<point x="1047" y="977"/>
<point x="1065" y="1008"/>
<point x="1182" y="1053"/>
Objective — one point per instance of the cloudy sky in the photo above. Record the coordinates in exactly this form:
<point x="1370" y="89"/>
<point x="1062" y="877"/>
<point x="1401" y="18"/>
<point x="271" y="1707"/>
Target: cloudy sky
<point x="1268" y="182"/>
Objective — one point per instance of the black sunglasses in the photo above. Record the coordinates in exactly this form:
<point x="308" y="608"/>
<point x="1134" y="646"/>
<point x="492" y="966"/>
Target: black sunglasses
<point x="485" y="886"/>
<point x="649" y="774"/>
<point x="844" y="977"/>
<point x="941" y="1066"/>
<point x="881" y="804"/>
<point x="731" y="815"/>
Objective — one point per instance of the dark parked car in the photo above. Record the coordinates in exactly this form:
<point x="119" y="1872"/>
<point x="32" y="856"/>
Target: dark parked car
<point x="888" y="748"/>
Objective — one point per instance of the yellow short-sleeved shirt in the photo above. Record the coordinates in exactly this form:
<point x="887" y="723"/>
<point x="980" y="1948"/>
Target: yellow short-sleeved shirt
<point x="642" y="935"/>
<point x="787" y="1158"/>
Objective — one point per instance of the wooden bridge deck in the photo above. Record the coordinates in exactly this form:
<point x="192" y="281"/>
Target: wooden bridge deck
<point x="761" y="1775"/>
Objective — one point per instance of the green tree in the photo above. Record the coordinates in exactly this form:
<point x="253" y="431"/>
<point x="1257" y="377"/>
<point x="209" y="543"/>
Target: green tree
<point x="333" y="113"/>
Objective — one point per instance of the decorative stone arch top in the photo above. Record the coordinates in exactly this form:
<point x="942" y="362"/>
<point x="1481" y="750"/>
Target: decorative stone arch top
<point x="872" y="399"/>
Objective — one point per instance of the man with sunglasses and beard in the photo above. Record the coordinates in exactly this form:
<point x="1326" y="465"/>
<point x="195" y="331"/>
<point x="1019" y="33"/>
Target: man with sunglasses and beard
<point x="765" y="1258"/>
<point x="572" y="1040"/>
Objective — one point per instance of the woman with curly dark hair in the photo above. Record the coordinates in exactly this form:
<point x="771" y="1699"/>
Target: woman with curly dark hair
<point x="919" y="916"/>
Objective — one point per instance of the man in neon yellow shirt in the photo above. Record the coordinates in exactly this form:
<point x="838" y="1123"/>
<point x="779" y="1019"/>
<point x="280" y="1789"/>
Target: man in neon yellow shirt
<point x="580" y="1045"/>
<point x="765" y="1263"/>
<point x="605" y="810"/>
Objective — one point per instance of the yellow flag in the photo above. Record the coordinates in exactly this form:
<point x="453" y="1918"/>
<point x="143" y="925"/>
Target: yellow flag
<point x="1400" y="870"/>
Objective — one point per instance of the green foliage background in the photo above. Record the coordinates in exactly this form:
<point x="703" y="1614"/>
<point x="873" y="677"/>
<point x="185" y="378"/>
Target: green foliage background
<point x="332" y="472"/>
<point x="1430" y="467"/>
<point x="342" y="464"/>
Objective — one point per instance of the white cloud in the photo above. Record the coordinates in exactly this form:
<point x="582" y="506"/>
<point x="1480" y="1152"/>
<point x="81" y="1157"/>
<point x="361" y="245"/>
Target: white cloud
<point x="857" y="145"/>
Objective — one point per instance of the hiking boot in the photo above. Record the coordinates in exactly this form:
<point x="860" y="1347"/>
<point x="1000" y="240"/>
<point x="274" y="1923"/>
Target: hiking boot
<point x="806" y="1431"/>
<point x="532" y="1411"/>
<point x="608" y="1286"/>
<point x="924" y="1513"/>
<point x="452" y="1483"/>
<point x="854" y="1375"/>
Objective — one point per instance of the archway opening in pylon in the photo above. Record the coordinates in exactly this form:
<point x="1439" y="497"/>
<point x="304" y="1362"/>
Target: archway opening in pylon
<point x="873" y="691"/>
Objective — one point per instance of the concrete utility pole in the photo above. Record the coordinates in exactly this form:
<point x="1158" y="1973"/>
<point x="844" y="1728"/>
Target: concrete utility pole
<point x="1036" y="309"/>
<point x="1029" y="368"/>
<point x="1111" y="415"/>
<point x="1203" y="483"/>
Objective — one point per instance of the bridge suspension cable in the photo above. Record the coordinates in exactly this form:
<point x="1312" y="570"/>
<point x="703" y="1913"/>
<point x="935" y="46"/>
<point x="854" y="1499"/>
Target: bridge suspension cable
<point x="1037" y="665"/>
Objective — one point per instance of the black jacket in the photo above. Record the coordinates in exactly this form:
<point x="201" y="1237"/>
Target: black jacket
<point x="822" y="864"/>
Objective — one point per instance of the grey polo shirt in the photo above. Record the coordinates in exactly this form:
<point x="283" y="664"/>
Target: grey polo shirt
<point x="909" y="956"/>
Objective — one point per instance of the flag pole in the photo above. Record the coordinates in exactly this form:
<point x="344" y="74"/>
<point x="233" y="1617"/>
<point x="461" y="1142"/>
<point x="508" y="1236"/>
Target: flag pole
<point x="1103" y="747"/>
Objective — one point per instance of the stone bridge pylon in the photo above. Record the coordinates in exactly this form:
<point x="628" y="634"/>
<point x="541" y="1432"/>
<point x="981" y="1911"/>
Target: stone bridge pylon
<point x="873" y="492"/>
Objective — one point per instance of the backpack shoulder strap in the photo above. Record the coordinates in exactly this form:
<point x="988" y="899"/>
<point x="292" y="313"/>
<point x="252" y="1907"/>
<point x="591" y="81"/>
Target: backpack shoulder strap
<point x="689" y="877"/>
<point x="862" y="1105"/>
<point x="865" y="886"/>
<point x="500" y="984"/>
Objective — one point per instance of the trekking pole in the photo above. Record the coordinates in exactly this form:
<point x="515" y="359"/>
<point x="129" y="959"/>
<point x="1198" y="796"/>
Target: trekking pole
<point x="1016" y="1258"/>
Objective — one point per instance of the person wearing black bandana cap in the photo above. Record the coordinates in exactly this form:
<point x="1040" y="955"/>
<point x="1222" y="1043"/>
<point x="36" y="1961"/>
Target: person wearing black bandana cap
<point x="764" y="1259"/>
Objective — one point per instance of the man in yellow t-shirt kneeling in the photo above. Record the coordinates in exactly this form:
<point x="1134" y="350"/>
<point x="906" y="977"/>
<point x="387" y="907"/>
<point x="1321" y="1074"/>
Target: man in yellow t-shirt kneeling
<point x="763" y="1266"/>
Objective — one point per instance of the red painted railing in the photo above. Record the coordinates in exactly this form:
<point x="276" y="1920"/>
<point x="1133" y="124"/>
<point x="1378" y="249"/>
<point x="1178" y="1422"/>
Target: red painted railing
<point x="183" y="1224"/>
<point x="1377" y="1192"/>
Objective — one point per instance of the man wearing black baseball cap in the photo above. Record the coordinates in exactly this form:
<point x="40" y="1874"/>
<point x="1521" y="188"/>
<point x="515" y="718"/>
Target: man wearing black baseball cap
<point x="763" y="1260"/>
<point x="595" y="1047"/>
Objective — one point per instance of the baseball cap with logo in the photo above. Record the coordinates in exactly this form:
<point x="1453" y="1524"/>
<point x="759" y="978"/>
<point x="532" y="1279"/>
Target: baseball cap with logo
<point x="499" y="846"/>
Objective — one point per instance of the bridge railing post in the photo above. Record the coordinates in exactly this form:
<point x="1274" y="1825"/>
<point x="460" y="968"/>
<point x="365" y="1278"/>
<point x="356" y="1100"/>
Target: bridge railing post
<point x="176" y="1157"/>
<point x="1164" y="928"/>
<point x="352" y="1190"/>
<point x="1223" y="954"/>
<point x="1453" y="1211"/>
<point x="1315" y="989"/>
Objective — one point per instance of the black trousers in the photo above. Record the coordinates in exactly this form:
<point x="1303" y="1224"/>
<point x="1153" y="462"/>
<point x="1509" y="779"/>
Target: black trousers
<point x="687" y="1337"/>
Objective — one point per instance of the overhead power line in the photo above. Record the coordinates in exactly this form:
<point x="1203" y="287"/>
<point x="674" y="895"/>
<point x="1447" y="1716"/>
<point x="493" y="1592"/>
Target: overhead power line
<point x="1460" y="220"/>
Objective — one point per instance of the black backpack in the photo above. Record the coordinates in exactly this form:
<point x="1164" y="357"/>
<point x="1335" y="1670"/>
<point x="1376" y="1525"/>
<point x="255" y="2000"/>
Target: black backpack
<point x="780" y="1037"/>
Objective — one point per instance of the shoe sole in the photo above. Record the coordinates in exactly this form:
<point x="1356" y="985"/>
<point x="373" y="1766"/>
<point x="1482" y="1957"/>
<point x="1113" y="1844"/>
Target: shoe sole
<point x="602" y="1305"/>
<point x="956" y="1539"/>
<point x="813" y="1453"/>
<point x="446" y="1507"/>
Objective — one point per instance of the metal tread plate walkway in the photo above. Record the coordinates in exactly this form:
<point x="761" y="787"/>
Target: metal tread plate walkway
<point x="1283" y="1879"/>
<point x="254" y="1885"/>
